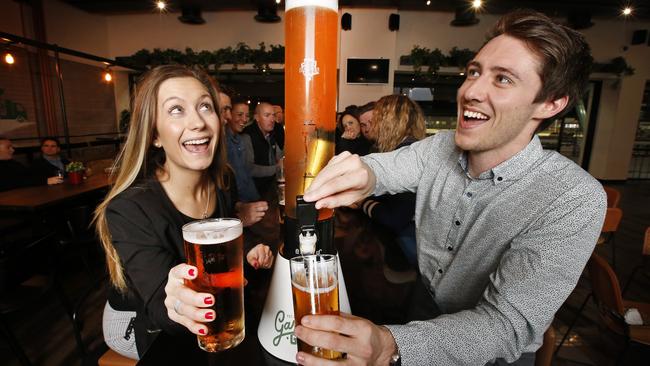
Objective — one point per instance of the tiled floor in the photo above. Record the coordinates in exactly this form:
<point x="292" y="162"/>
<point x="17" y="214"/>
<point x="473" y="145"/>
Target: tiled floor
<point x="47" y="335"/>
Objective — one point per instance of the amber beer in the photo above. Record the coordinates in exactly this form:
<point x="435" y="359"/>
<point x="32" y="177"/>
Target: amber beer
<point x="215" y="247"/>
<point x="311" y="38"/>
<point x="314" y="283"/>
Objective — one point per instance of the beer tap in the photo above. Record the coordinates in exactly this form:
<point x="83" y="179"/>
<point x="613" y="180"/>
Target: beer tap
<point x="307" y="217"/>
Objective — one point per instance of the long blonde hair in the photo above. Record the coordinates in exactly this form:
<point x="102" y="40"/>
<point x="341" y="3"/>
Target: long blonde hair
<point x="396" y="117"/>
<point x="138" y="159"/>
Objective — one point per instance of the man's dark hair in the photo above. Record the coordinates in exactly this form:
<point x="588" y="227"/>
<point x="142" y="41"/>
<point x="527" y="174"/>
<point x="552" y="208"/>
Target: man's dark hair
<point x="365" y="108"/>
<point x="564" y="54"/>
<point x="50" y="138"/>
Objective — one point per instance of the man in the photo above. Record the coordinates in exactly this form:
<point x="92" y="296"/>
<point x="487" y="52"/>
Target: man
<point x="365" y="121"/>
<point x="261" y="150"/>
<point x="225" y="107"/>
<point x="278" y="129"/>
<point x="14" y="174"/>
<point x="51" y="164"/>
<point x="504" y="229"/>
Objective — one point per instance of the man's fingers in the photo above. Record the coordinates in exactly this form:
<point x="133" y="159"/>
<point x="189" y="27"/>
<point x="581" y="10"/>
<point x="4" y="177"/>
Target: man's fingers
<point x="306" y="359"/>
<point x="327" y="340"/>
<point x="336" y="167"/>
<point x="344" y="323"/>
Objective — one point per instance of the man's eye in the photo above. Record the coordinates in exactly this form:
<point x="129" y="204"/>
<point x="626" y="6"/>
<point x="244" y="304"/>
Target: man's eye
<point x="503" y="80"/>
<point x="472" y="73"/>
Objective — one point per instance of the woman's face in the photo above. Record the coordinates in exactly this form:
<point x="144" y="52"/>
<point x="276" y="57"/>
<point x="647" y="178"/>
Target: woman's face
<point x="187" y="124"/>
<point x="351" y="125"/>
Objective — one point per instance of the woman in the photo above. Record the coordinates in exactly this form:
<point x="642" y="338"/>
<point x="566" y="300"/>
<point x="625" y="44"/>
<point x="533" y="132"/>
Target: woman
<point x="351" y="138"/>
<point x="399" y="122"/>
<point x="172" y="170"/>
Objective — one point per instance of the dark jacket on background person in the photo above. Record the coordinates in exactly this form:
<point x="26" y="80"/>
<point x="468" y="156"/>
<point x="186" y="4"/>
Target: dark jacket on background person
<point x="16" y="175"/>
<point x="278" y="133"/>
<point x="265" y="154"/>
<point x="44" y="168"/>
<point x="360" y="145"/>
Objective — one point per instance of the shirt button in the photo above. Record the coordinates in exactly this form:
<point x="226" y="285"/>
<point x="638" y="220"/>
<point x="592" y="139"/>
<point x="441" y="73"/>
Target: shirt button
<point x="440" y="271"/>
<point x="469" y="194"/>
<point x="499" y="179"/>
<point x="450" y="248"/>
<point x="457" y="223"/>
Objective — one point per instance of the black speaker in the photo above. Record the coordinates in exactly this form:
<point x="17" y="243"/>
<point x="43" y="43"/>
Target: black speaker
<point x="639" y="36"/>
<point x="393" y="22"/>
<point x="346" y="21"/>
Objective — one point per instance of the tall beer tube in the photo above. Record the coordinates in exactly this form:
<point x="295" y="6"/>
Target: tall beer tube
<point x="311" y="38"/>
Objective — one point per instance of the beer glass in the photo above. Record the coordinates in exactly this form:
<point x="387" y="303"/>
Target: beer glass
<point x="314" y="283"/>
<point x="215" y="248"/>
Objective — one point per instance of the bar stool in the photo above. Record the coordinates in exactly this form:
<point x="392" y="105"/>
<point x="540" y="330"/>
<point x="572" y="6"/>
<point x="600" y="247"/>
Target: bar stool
<point x="613" y="196"/>
<point x="645" y="254"/>
<point x="610" y="226"/>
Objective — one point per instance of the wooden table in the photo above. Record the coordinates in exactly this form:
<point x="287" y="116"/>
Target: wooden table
<point x="30" y="199"/>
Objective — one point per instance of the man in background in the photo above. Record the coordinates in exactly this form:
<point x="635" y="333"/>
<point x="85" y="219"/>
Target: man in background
<point x="14" y="174"/>
<point x="278" y="129"/>
<point x="365" y="113"/>
<point x="261" y="150"/>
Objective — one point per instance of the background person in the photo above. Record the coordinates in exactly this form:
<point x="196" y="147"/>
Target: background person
<point x="15" y="174"/>
<point x="50" y="164"/>
<point x="172" y="170"/>
<point x="278" y="129"/>
<point x="261" y="150"/>
<point x="350" y="138"/>
<point x="504" y="228"/>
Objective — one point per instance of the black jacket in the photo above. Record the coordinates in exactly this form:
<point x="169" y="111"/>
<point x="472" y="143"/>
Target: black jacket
<point x="261" y="152"/>
<point x="45" y="169"/>
<point x="14" y="175"/>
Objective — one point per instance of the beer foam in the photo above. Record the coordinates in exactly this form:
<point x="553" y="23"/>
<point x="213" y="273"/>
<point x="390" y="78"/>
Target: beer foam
<point x="330" y="4"/>
<point x="212" y="231"/>
<point x="318" y="291"/>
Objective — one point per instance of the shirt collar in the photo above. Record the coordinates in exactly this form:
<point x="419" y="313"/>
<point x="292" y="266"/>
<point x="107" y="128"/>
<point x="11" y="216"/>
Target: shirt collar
<point x="511" y="169"/>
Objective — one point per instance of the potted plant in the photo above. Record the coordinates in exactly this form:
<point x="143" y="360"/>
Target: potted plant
<point x="75" y="172"/>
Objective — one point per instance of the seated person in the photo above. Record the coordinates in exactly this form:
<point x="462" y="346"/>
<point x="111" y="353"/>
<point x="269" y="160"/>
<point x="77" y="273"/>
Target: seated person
<point x="366" y="113"/>
<point x="180" y="177"/>
<point x="15" y="174"/>
<point x="261" y="152"/>
<point x="399" y="122"/>
<point x="350" y="137"/>
<point x="51" y="163"/>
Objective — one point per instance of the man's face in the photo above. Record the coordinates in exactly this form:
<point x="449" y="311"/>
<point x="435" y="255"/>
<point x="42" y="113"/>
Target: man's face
<point x="279" y="114"/>
<point x="240" y="115"/>
<point x="265" y="118"/>
<point x="6" y="150"/>
<point x="496" y="113"/>
<point x="225" y="107"/>
<point x="50" y="148"/>
<point x="365" y="120"/>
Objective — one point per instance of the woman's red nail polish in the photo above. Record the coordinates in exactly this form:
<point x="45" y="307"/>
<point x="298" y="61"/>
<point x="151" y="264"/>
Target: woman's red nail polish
<point x="202" y="331"/>
<point x="209" y="316"/>
<point x="191" y="272"/>
<point x="208" y="301"/>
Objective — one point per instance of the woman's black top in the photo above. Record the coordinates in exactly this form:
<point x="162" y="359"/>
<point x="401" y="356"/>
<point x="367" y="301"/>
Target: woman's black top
<point x="360" y="146"/>
<point x="145" y="227"/>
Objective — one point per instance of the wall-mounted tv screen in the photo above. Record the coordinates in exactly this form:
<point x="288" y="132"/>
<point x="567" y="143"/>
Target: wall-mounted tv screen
<point x="367" y="71"/>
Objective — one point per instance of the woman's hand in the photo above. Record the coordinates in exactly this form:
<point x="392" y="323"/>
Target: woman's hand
<point x="349" y="134"/>
<point x="184" y="305"/>
<point x="260" y="256"/>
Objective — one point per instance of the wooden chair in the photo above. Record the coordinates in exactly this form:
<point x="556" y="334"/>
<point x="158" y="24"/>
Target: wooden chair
<point x="645" y="255"/>
<point x="613" y="196"/>
<point x="610" y="226"/>
<point x="612" y="307"/>
<point x="544" y="354"/>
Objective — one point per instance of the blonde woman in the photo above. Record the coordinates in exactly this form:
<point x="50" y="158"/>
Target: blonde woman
<point x="172" y="170"/>
<point x="398" y="122"/>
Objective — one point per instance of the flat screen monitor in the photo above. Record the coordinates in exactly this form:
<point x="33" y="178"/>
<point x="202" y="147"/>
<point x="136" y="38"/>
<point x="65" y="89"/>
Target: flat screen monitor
<point x="367" y="71"/>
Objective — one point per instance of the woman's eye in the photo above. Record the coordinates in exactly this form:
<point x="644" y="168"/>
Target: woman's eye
<point x="175" y="110"/>
<point x="205" y="107"/>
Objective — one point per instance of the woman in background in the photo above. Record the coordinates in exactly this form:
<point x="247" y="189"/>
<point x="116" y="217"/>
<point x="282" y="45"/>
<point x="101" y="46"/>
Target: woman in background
<point x="172" y="170"/>
<point x="398" y="122"/>
<point x="350" y="138"/>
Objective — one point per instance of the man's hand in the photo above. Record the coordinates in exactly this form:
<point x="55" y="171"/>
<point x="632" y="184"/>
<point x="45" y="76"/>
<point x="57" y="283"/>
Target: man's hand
<point x="344" y="181"/>
<point x="251" y="212"/>
<point x="54" y="180"/>
<point x="364" y="342"/>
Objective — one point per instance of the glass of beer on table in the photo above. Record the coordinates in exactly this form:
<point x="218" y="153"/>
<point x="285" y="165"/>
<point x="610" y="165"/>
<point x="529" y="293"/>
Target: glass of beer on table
<point x="314" y="283"/>
<point x="215" y="248"/>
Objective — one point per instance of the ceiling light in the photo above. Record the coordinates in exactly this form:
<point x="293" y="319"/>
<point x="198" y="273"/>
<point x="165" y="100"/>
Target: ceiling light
<point x="9" y="58"/>
<point x="428" y="2"/>
<point x="108" y="77"/>
<point x="476" y="4"/>
<point x="161" y="5"/>
<point x="278" y="1"/>
<point x="627" y="11"/>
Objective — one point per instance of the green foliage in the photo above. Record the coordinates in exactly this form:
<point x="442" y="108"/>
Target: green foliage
<point x="75" y="166"/>
<point x="241" y="54"/>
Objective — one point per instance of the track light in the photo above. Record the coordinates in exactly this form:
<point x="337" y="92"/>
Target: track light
<point x="9" y="58"/>
<point x="108" y="76"/>
<point x="627" y="11"/>
<point x="161" y="5"/>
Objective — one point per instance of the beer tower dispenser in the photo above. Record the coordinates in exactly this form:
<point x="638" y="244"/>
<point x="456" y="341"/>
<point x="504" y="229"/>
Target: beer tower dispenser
<point x="310" y="72"/>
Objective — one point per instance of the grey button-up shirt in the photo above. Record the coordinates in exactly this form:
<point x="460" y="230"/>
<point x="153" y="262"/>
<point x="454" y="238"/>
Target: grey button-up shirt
<point x="500" y="253"/>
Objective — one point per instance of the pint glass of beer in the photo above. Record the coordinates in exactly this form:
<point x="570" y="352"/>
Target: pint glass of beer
<point x="215" y="247"/>
<point x="314" y="283"/>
